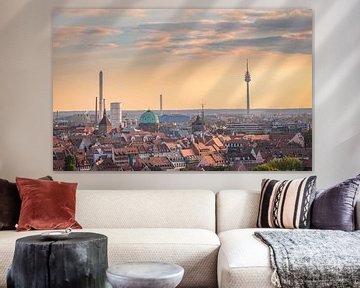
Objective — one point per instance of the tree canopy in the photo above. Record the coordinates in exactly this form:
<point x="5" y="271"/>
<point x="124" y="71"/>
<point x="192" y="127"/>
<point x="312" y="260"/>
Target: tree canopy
<point x="70" y="163"/>
<point x="283" y="164"/>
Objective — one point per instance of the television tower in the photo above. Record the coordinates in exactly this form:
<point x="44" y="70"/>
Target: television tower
<point x="247" y="80"/>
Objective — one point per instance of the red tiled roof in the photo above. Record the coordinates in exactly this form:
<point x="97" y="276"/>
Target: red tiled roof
<point x="126" y="150"/>
<point x="187" y="152"/>
<point x="158" y="162"/>
<point x="58" y="164"/>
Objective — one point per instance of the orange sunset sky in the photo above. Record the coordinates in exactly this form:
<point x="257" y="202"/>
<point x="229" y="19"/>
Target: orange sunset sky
<point x="188" y="55"/>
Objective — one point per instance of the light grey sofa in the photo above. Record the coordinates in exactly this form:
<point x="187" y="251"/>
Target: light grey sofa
<point x="243" y="261"/>
<point x="175" y="226"/>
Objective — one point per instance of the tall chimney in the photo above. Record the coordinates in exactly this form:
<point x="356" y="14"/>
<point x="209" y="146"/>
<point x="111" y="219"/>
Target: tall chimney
<point x="161" y="104"/>
<point x="96" y="112"/>
<point x="100" y="95"/>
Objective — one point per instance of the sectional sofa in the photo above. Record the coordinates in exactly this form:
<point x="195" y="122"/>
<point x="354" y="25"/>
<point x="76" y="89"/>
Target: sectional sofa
<point x="210" y="235"/>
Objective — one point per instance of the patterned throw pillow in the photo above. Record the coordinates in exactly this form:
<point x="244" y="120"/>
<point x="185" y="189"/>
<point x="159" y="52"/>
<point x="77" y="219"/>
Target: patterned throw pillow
<point x="286" y="204"/>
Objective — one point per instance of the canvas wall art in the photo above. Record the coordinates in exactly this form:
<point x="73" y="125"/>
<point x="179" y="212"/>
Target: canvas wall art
<point x="182" y="89"/>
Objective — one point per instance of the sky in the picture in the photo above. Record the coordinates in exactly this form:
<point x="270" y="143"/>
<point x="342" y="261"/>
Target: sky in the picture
<point x="191" y="56"/>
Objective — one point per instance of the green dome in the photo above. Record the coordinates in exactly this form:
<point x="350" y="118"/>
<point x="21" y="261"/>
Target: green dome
<point x="149" y="117"/>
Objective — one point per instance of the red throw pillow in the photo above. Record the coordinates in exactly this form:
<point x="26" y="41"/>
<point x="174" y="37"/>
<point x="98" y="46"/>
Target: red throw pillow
<point x="46" y="204"/>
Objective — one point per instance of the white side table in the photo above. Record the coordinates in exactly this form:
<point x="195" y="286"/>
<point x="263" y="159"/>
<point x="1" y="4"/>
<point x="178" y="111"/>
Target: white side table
<point x="145" y="275"/>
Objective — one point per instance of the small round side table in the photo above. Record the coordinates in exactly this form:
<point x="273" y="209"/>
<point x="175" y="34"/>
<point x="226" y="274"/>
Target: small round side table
<point x="145" y="275"/>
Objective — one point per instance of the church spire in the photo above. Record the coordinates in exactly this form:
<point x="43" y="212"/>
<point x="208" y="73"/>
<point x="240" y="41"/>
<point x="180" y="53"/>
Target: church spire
<point x="202" y="112"/>
<point x="105" y="124"/>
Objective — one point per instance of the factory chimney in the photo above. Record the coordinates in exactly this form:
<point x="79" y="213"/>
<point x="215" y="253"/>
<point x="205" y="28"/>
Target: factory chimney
<point x="161" y="104"/>
<point x="101" y="108"/>
<point x="96" y="112"/>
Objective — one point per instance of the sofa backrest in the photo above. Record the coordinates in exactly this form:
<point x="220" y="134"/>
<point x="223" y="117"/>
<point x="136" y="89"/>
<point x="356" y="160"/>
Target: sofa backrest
<point x="146" y="209"/>
<point x="239" y="209"/>
<point x="236" y="209"/>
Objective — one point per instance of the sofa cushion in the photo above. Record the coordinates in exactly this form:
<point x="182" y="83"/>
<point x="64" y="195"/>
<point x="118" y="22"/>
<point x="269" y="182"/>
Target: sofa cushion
<point x="286" y="204"/>
<point x="46" y="204"/>
<point x="244" y="261"/>
<point x="194" y="249"/>
<point x="10" y="204"/>
<point x="153" y="209"/>
<point x="334" y="208"/>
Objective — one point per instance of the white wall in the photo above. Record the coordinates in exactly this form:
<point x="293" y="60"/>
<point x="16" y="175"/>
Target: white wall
<point x="26" y="99"/>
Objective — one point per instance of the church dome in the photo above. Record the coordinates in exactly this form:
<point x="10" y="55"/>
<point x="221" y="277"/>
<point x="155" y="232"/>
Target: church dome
<point x="149" y="117"/>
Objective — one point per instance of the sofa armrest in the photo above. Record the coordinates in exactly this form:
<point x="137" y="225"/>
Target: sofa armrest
<point x="357" y="215"/>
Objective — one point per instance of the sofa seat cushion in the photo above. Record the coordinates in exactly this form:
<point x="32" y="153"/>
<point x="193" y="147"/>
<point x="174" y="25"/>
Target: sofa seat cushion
<point x="194" y="249"/>
<point x="244" y="261"/>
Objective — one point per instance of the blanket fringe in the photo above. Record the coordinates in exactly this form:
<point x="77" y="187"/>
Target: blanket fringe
<point x="275" y="280"/>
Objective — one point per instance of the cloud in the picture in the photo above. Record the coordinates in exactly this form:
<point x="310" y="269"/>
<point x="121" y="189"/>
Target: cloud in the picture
<point x="103" y="45"/>
<point x="276" y="44"/>
<point x="283" y="31"/>
<point x="284" y="25"/>
<point x="140" y="13"/>
<point x="70" y="35"/>
<point x="219" y="32"/>
<point x="173" y="27"/>
<point x="157" y="40"/>
<point x="293" y="24"/>
<point x="188" y="51"/>
<point x="300" y="35"/>
<point x="101" y="31"/>
<point x="253" y="15"/>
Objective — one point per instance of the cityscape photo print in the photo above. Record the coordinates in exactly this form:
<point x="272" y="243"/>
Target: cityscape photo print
<point x="182" y="89"/>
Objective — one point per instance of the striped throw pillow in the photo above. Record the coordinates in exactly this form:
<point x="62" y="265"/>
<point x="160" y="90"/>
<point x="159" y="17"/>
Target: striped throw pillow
<point x="286" y="204"/>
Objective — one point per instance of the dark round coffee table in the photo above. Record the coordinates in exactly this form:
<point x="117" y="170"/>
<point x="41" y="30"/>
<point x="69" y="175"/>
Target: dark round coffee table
<point x="78" y="261"/>
<point x="145" y="275"/>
